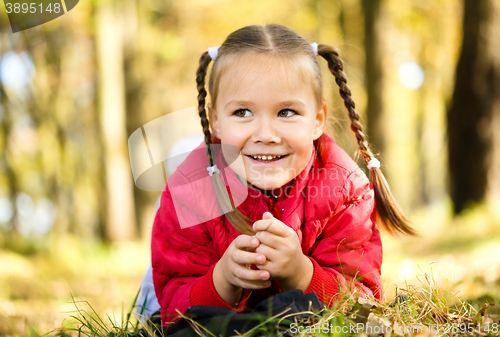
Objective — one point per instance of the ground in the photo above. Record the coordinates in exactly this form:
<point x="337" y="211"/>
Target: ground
<point x="38" y="282"/>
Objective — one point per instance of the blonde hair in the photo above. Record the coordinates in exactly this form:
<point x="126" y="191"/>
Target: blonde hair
<point x="279" y="41"/>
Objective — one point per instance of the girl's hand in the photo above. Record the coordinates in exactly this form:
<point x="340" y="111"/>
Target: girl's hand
<point x="285" y="260"/>
<point x="231" y="274"/>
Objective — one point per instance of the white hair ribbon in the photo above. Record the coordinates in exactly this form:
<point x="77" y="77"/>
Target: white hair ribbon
<point x="212" y="51"/>
<point x="212" y="169"/>
<point x="314" y="46"/>
<point x="373" y="163"/>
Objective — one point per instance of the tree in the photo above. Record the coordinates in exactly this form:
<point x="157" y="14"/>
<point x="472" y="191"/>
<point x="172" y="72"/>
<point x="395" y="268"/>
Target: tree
<point x="121" y="217"/>
<point x="475" y="102"/>
<point x="373" y="74"/>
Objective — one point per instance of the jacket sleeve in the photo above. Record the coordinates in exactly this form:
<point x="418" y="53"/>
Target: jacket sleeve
<point x="347" y="255"/>
<point x="183" y="260"/>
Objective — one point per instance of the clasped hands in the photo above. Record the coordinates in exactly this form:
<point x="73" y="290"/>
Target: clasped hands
<point x="275" y="250"/>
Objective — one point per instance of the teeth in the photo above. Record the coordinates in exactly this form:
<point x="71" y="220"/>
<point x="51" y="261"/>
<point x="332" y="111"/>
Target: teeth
<point x="266" y="157"/>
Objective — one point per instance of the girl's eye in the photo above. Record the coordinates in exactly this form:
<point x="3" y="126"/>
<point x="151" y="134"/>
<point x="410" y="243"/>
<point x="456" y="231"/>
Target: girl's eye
<point x="242" y="113"/>
<point x="286" y="113"/>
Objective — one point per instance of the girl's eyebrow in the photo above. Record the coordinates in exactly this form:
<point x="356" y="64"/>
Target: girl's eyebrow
<point x="238" y="103"/>
<point x="293" y="102"/>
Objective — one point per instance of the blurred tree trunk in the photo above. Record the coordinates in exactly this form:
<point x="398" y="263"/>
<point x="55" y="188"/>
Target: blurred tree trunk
<point x="341" y="21"/>
<point x="134" y="84"/>
<point x="373" y="74"/>
<point x="476" y="99"/>
<point x="423" y="189"/>
<point x="5" y="167"/>
<point x="121" y="217"/>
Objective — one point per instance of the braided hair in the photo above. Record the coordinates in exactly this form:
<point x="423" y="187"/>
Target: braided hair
<point x="239" y="220"/>
<point x="279" y="41"/>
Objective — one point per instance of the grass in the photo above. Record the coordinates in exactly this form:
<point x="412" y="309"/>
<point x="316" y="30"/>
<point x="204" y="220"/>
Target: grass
<point x="424" y="310"/>
<point x="38" y="290"/>
<point x="448" y="277"/>
<point x="462" y="254"/>
<point x="89" y="323"/>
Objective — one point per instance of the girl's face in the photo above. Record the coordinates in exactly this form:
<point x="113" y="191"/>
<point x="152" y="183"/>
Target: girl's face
<point x="269" y="112"/>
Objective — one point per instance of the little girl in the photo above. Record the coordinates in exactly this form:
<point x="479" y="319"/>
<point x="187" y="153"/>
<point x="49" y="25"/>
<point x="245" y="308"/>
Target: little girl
<point x="308" y="220"/>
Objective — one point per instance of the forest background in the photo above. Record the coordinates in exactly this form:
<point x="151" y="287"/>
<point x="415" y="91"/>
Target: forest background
<point x="425" y="75"/>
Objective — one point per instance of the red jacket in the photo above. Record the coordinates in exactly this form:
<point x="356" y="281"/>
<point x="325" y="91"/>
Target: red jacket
<point x="330" y="205"/>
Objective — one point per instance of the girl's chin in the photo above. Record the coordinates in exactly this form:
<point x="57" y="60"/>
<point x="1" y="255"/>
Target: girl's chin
<point x="267" y="186"/>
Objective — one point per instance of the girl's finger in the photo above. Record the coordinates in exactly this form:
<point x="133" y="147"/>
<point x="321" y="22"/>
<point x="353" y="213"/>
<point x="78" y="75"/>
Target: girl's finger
<point x="245" y="241"/>
<point x="273" y="226"/>
<point x="270" y="253"/>
<point x="250" y="275"/>
<point x="262" y="225"/>
<point x="244" y="257"/>
<point x="254" y="284"/>
<point x="268" y="239"/>
<point x="267" y="215"/>
<point x="266" y="250"/>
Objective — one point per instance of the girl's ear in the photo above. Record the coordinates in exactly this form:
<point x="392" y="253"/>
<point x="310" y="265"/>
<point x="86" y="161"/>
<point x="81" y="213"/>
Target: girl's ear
<point x="319" y="125"/>
<point x="214" y="122"/>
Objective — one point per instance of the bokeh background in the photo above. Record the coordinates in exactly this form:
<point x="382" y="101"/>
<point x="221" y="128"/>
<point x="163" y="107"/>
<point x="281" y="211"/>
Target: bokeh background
<point x="425" y="76"/>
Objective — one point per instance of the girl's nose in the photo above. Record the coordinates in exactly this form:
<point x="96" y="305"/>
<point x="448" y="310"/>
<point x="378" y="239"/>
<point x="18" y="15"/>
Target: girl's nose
<point x="266" y="133"/>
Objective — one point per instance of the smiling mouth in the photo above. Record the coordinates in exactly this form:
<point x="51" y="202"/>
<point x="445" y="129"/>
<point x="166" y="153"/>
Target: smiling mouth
<point x="267" y="158"/>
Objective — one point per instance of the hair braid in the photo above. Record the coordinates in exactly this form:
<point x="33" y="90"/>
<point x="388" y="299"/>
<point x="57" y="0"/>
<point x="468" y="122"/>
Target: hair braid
<point x="335" y="65"/>
<point x="389" y="212"/>
<point x="239" y="220"/>
<point x="201" y="74"/>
